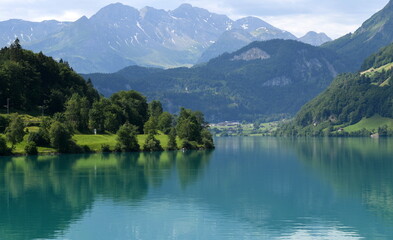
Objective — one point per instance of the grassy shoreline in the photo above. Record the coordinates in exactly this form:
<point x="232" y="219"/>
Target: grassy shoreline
<point x="94" y="142"/>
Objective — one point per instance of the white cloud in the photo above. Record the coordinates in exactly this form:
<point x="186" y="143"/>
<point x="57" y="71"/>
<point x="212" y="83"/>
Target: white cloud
<point x="334" y="17"/>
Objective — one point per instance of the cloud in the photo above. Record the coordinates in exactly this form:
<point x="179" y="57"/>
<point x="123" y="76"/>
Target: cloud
<point x="335" y="17"/>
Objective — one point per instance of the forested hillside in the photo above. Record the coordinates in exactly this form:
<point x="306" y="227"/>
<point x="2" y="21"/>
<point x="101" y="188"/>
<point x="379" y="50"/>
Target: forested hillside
<point x="34" y="81"/>
<point x="349" y="99"/>
<point x="263" y="78"/>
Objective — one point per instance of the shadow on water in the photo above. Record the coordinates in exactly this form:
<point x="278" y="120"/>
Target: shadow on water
<point x="41" y="196"/>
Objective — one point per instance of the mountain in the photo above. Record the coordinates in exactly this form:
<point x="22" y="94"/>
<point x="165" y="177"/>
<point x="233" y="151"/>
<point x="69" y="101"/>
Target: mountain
<point x="241" y="33"/>
<point x="263" y="78"/>
<point x="374" y="34"/>
<point x="315" y="39"/>
<point x="365" y="96"/>
<point x="118" y="36"/>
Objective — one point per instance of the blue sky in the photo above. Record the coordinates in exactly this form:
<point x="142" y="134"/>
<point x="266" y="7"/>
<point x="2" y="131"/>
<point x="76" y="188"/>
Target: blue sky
<point x="334" y="17"/>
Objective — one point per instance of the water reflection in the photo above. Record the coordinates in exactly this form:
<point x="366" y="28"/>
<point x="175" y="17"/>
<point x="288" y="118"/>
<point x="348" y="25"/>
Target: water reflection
<point x="360" y="168"/>
<point x="248" y="188"/>
<point x="41" y="196"/>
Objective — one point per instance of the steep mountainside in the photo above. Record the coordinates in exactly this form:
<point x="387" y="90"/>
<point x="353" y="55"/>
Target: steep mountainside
<point x="374" y="34"/>
<point x="351" y="97"/>
<point x="263" y="78"/>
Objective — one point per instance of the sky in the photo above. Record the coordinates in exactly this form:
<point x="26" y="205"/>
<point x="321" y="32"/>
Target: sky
<point x="334" y="17"/>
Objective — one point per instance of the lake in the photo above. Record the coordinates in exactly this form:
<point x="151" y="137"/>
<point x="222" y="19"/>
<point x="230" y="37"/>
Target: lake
<point x="247" y="188"/>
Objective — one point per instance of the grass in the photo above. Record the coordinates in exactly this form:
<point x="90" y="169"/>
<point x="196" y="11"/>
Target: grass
<point x="94" y="142"/>
<point x="370" y="124"/>
<point x="371" y="71"/>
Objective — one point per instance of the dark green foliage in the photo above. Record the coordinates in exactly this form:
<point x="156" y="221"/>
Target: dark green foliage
<point x="165" y="122"/>
<point x="150" y="126"/>
<point x="4" y="149"/>
<point x="189" y="125"/>
<point x="38" y="138"/>
<point x="126" y="138"/>
<point x="34" y="80"/>
<point x="347" y="100"/>
<point x="155" y="108"/>
<point x="134" y="107"/>
<point x="382" y="57"/>
<point x="15" y="130"/>
<point x="207" y="139"/>
<point x="105" y="148"/>
<point x="172" y="144"/>
<point x="4" y="121"/>
<point x="60" y="138"/>
<point x="227" y="89"/>
<point x="31" y="148"/>
<point x="152" y="144"/>
<point x="189" y="145"/>
<point x="77" y="112"/>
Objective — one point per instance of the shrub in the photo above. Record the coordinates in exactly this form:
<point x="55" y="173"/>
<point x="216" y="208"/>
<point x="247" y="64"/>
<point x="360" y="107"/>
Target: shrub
<point x="31" y="148"/>
<point x="152" y="144"/>
<point x="105" y="148"/>
<point x="126" y="138"/>
<point x="4" y="149"/>
<point x="189" y="145"/>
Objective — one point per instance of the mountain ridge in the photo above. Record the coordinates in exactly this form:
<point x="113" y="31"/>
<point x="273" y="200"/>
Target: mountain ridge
<point x="127" y="36"/>
<point x="263" y="78"/>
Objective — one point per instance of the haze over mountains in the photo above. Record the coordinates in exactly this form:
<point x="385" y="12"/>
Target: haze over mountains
<point x="118" y="36"/>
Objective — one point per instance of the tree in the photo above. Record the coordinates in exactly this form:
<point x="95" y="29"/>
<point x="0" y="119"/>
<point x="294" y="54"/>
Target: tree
<point x="126" y="138"/>
<point x="150" y="126"/>
<point x="133" y="106"/>
<point x="152" y="144"/>
<point x="172" y="144"/>
<point x="189" y="125"/>
<point x="4" y="149"/>
<point x="155" y="108"/>
<point x="165" y="122"/>
<point x="77" y="112"/>
<point x="15" y="130"/>
<point x="60" y="137"/>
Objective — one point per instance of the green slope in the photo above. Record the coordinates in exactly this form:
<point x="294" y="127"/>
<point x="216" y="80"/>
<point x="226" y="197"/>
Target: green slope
<point x="361" y="100"/>
<point x="374" y="34"/>
<point x="236" y="86"/>
<point x="370" y="124"/>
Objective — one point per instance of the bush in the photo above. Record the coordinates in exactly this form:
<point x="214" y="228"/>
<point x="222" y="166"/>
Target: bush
<point x="15" y="130"/>
<point x="152" y="144"/>
<point x="126" y="138"/>
<point x="189" y="145"/>
<point x="172" y="145"/>
<point x="60" y="138"/>
<point x="4" y="149"/>
<point x="38" y="138"/>
<point x="31" y="148"/>
<point x="105" y="148"/>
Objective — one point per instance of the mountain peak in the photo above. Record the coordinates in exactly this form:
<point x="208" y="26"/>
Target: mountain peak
<point x="115" y="11"/>
<point x="315" y="39"/>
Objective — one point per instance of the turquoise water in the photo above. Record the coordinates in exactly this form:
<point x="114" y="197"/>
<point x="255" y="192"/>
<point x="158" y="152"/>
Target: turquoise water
<point x="248" y="188"/>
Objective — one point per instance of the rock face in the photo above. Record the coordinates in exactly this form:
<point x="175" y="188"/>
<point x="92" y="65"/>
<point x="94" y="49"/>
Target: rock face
<point x="252" y="54"/>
